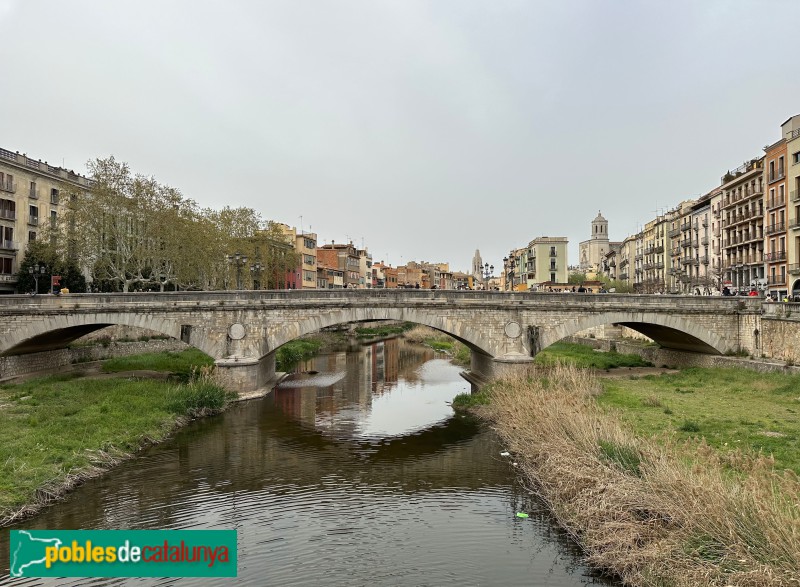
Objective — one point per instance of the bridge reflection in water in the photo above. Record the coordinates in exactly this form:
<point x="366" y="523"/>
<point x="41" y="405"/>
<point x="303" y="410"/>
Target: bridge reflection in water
<point x="369" y="480"/>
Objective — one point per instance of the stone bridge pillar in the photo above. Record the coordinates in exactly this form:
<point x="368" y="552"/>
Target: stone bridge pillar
<point x="243" y="369"/>
<point x="514" y="349"/>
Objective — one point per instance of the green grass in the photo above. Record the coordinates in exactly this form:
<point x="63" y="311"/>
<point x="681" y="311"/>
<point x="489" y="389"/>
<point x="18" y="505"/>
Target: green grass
<point x="731" y="408"/>
<point x="295" y="351"/>
<point x="57" y="426"/>
<point x="179" y="363"/>
<point x="469" y="400"/>
<point x="384" y="330"/>
<point x="585" y="356"/>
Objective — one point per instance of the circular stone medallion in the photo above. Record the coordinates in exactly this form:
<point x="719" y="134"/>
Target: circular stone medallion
<point x="236" y="331"/>
<point x="513" y="329"/>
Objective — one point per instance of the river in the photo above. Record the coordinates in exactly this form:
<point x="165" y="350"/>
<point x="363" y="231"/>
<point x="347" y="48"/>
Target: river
<point x="354" y="471"/>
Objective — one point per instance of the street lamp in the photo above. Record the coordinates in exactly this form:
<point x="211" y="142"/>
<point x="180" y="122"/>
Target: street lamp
<point x="36" y="271"/>
<point x="240" y="261"/>
<point x="255" y="270"/>
<point x="487" y="273"/>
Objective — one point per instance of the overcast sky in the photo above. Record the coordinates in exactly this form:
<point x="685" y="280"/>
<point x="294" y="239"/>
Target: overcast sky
<point x="422" y="129"/>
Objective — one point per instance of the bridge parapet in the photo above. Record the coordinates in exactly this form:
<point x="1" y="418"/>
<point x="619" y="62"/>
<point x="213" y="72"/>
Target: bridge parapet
<point x="241" y="330"/>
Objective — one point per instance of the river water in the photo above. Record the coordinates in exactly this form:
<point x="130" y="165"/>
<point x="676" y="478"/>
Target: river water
<point x="354" y="471"/>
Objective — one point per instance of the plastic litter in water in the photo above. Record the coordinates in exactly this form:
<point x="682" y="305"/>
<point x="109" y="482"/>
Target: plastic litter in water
<point x="522" y="515"/>
<point x="505" y="454"/>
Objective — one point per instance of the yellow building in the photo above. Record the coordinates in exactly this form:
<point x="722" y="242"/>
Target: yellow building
<point x="305" y="244"/>
<point x="792" y="133"/>
<point x="31" y="197"/>
<point x="547" y="262"/>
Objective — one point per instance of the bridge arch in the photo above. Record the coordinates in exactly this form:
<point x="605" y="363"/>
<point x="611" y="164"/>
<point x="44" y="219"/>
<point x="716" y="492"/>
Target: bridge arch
<point x="58" y="332"/>
<point x="669" y="331"/>
<point x="476" y="339"/>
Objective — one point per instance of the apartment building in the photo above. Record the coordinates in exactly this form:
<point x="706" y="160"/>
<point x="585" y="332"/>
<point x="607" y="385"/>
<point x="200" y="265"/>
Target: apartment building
<point x="365" y="277"/>
<point x="652" y="255"/>
<point x="344" y="258"/>
<point x="625" y="260"/>
<point x="775" y="218"/>
<point x="544" y="261"/>
<point x="700" y="278"/>
<point x="305" y="244"/>
<point x="742" y="225"/>
<point x="31" y="197"/>
<point x="792" y="135"/>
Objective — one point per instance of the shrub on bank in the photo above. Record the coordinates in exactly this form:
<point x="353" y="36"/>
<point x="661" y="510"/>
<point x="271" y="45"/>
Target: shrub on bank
<point x="651" y="511"/>
<point x="201" y="396"/>
<point x="287" y="356"/>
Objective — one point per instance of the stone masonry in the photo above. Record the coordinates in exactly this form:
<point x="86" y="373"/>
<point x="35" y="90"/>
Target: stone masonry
<point x="242" y="330"/>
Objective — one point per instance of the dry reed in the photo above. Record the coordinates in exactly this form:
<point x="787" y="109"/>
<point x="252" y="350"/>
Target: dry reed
<point x="652" y="512"/>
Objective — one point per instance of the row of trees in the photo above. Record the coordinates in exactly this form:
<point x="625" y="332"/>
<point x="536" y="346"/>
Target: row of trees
<point x="130" y="232"/>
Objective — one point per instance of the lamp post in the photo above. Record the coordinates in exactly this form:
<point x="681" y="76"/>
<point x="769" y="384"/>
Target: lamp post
<point x="240" y="261"/>
<point x="255" y="270"/>
<point x="36" y="271"/>
<point x="487" y="273"/>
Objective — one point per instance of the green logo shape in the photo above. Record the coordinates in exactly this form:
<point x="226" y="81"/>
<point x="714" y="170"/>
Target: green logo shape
<point x="123" y="553"/>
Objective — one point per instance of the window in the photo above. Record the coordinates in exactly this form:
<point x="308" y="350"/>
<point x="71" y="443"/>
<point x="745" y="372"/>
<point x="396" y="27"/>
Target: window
<point x="7" y="266"/>
<point x="796" y="157"/>
<point x="8" y="209"/>
<point x="6" y="182"/>
<point x="552" y="277"/>
<point x="31" y="236"/>
<point x="33" y="215"/>
<point x="54" y="196"/>
<point x="33" y="192"/>
<point x="8" y="236"/>
<point x="53" y="217"/>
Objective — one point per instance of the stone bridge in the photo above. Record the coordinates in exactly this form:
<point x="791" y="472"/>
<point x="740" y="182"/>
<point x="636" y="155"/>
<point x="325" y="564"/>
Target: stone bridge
<point x="242" y="330"/>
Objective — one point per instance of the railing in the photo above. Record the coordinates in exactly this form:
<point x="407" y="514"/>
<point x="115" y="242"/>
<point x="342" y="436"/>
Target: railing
<point x="704" y="260"/>
<point x="659" y="249"/>
<point x="776" y="202"/>
<point x="659" y="265"/>
<point x="674" y="232"/>
<point x="777" y="280"/>
<point x="773" y="228"/>
<point x="623" y="276"/>
<point x="686" y="242"/>
<point x="686" y="226"/>
<point x="775" y="256"/>
<point x="648" y="266"/>
<point x="686" y="260"/>
<point x="794" y="223"/>
<point x="794" y="268"/>
<point x="795" y="195"/>
<point x="704" y="241"/>
<point x="33" y="220"/>
<point x="8" y="186"/>
<point x="780" y="174"/>
<point x="8" y="215"/>
<point x="8" y="245"/>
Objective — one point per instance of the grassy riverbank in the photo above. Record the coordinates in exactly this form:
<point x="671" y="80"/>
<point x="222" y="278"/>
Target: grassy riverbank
<point x="439" y="341"/>
<point x="59" y="430"/>
<point x="663" y="480"/>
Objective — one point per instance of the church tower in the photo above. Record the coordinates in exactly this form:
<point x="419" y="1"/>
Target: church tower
<point x="477" y="265"/>
<point x="599" y="227"/>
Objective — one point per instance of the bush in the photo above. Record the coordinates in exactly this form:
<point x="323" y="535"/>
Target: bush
<point x="201" y="396"/>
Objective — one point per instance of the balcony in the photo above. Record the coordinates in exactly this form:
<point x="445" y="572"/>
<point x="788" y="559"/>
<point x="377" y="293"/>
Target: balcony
<point x="704" y="241"/>
<point x="8" y="245"/>
<point x="33" y="220"/>
<point x="794" y="269"/>
<point x="686" y="260"/>
<point x="648" y="266"/>
<point x="795" y="195"/>
<point x="54" y="199"/>
<point x="638" y="257"/>
<point x="794" y="223"/>
<point x="777" y="280"/>
<point x="659" y="249"/>
<point x="686" y="226"/>
<point x="773" y="228"/>
<point x="777" y="202"/>
<point x="775" y="256"/>
<point x="674" y="232"/>
<point x="659" y="265"/>
<point x="686" y="242"/>
<point x="623" y="276"/>
<point x="704" y="260"/>
<point x="776" y="176"/>
<point x="8" y="186"/>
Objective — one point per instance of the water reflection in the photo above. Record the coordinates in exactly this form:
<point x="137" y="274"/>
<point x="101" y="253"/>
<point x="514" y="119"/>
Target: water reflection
<point x="354" y="472"/>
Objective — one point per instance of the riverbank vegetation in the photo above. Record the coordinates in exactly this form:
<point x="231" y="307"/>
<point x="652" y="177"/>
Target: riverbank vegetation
<point x="301" y="349"/>
<point x="662" y="480"/>
<point x="440" y="341"/>
<point x="581" y="355"/>
<point x="59" y="430"/>
<point x="384" y="331"/>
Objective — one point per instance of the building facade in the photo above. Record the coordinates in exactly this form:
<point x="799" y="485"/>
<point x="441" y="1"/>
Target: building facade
<point x="31" y="198"/>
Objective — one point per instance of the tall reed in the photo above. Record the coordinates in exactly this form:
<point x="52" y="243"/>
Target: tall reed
<point x="650" y="511"/>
